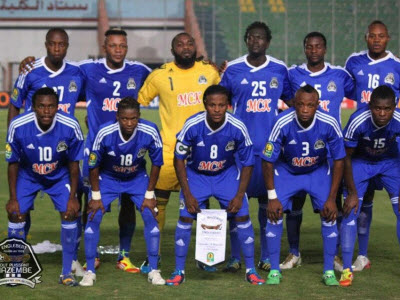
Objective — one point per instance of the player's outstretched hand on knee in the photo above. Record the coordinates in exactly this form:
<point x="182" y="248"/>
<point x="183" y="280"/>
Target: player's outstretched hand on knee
<point x="329" y="212"/>
<point x="350" y="203"/>
<point x="235" y="205"/>
<point x="93" y="207"/>
<point x="72" y="209"/>
<point x="151" y="204"/>
<point x="192" y="205"/>
<point x="274" y="210"/>
<point x="12" y="208"/>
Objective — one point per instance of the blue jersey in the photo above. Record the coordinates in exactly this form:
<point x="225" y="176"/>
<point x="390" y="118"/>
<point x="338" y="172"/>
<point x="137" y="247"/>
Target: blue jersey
<point x="67" y="82"/>
<point x="332" y="83"/>
<point x="211" y="151"/>
<point x="372" y="143"/>
<point x="105" y="87"/>
<point x="369" y="74"/>
<point x="302" y="150"/>
<point x="255" y="94"/>
<point x="44" y="155"/>
<point x="124" y="159"/>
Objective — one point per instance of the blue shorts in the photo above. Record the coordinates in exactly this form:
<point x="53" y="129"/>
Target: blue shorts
<point x="316" y="183"/>
<point x="256" y="187"/>
<point x="112" y="188"/>
<point x="386" y="172"/>
<point x="28" y="188"/>
<point x="223" y="187"/>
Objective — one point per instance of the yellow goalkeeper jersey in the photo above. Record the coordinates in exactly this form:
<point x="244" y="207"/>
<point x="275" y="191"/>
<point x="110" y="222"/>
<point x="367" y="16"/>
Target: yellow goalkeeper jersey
<point x="180" y="94"/>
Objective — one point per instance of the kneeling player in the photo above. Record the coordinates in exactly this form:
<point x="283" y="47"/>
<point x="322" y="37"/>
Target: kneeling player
<point x="296" y="153"/>
<point x="372" y="153"/>
<point x="117" y="165"/>
<point x="209" y="141"/>
<point x="43" y="151"/>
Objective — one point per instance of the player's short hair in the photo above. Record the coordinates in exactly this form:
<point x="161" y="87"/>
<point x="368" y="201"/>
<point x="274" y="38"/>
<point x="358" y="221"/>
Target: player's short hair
<point x="261" y="25"/>
<point x="314" y="34"/>
<point x="307" y="89"/>
<point x="56" y="30"/>
<point x="44" y="91"/>
<point x="383" y="92"/>
<point x="376" y="22"/>
<point x="115" y="31"/>
<point x="178" y="35"/>
<point x="128" y="103"/>
<point x="216" y="89"/>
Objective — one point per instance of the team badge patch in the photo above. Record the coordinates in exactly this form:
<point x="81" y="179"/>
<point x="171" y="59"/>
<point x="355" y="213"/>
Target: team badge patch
<point x="331" y="86"/>
<point x="319" y="145"/>
<point x="269" y="148"/>
<point x="92" y="159"/>
<point x="62" y="146"/>
<point x="72" y="86"/>
<point x="274" y="83"/>
<point x="230" y="146"/>
<point x="181" y="148"/>
<point x="389" y="79"/>
<point x="131" y="85"/>
<point x="8" y="151"/>
<point x="141" y="152"/>
<point x="15" y="94"/>
<point x="202" y="79"/>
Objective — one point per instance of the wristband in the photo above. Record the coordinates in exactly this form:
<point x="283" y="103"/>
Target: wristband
<point x="149" y="195"/>
<point x="272" y="194"/>
<point x="96" y="195"/>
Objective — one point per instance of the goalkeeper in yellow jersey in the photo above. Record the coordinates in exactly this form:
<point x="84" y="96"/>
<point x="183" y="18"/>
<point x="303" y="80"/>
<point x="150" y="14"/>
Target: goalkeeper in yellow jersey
<point x="180" y="85"/>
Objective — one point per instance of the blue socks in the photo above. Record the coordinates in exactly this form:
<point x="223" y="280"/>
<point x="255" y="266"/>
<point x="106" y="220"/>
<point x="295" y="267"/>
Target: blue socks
<point x="152" y="237"/>
<point x="16" y="230"/>
<point x="262" y="219"/>
<point x="274" y="235"/>
<point x="293" y="224"/>
<point x="246" y="238"/>
<point x="68" y="242"/>
<point x="363" y="225"/>
<point x="182" y="240"/>
<point x="329" y="234"/>
<point x="126" y="231"/>
<point x="234" y="239"/>
<point x="92" y="236"/>
<point x="348" y="233"/>
<point x="78" y="235"/>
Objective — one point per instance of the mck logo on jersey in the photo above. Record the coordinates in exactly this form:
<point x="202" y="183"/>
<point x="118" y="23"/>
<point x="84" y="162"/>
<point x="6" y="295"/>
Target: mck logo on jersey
<point x="131" y="85"/>
<point x="269" y="148"/>
<point x="389" y="79"/>
<point x="212" y="166"/>
<point x="181" y="149"/>
<point x="365" y="96"/>
<point x="230" y="146"/>
<point x="331" y="86"/>
<point x="15" y="94"/>
<point x="324" y="104"/>
<point x="64" y="107"/>
<point x="110" y="104"/>
<point x="72" y="86"/>
<point x="44" y="169"/>
<point x="92" y="159"/>
<point x="62" y="146"/>
<point x="141" y="152"/>
<point x="125" y="170"/>
<point x="8" y="151"/>
<point x="319" y="145"/>
<point x="202" y="79"/>
<point x="304" y="161"/>
<point x="274" y="83"/>
<point x="188" y="99"/>
<point x="258" y="105"/>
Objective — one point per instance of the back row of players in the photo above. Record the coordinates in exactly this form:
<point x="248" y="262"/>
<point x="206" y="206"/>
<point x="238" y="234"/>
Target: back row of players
<point x="256" y="81"/>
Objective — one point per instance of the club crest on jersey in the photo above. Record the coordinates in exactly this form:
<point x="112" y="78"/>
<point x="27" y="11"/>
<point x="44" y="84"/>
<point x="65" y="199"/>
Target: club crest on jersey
<point x="72" y="86"/>
<point x="15" y="94"/>
<point x="92" y="159"/>
<point x="8" y="151"/>
<point x="141" y="152"/>
<point x="274" y="83"/>
<point x="202" y="79"/>
<point x="269" y="148"/>
<point x="62" y="146"/>
<point x="131" y="85"/>
<point x="230" y="146"/>
<point x="319" y="144"/>
<point x="181" y="149"/>
<point x="389" y="79"/>
<point x="331" y="86"/>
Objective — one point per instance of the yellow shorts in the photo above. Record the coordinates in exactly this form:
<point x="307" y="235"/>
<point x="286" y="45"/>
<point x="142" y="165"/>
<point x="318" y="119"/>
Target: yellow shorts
<point x="167" y="180"/>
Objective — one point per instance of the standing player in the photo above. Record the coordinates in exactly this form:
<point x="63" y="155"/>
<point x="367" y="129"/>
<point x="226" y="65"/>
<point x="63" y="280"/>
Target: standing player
<point x="371" y="151"/>
<point x="117" y="165"/>
<point x="179" y="85"/>
<point x="108" y="80"/>
<point x="43" y="151"/>
<point x="257" y="81"/>
<point x="370" y="69"/>
<point x="297" y="151"/>
<point x="333" y="85"/>
<point x="209" y="141"/>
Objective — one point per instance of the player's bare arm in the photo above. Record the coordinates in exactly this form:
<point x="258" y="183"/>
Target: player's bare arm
<point x="12" y="206"/>
<point x="151" y="202"/>
<point x="13" y="111"/>
<point x="190" y="201"/>
<point x="95" y="205"/>
<point x="237" y="201"/>
<point x="274" y="208"/>
<point x="352" y="197"/>
<point x="329" y="211"/>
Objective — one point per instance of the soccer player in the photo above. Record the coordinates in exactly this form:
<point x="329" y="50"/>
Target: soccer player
<point x="108" y="80"/>
<point x="333" y="84"/>
<point x="257" y="81"/>
<point x="209" y="142"/>
<point x="305" y="133"/>
<point x="43" y="151"/>
<point x="371" y="68"/>
<point x="179" y="85"/>
<point x="371" y="151"/>
<point x="117" y="165"/>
